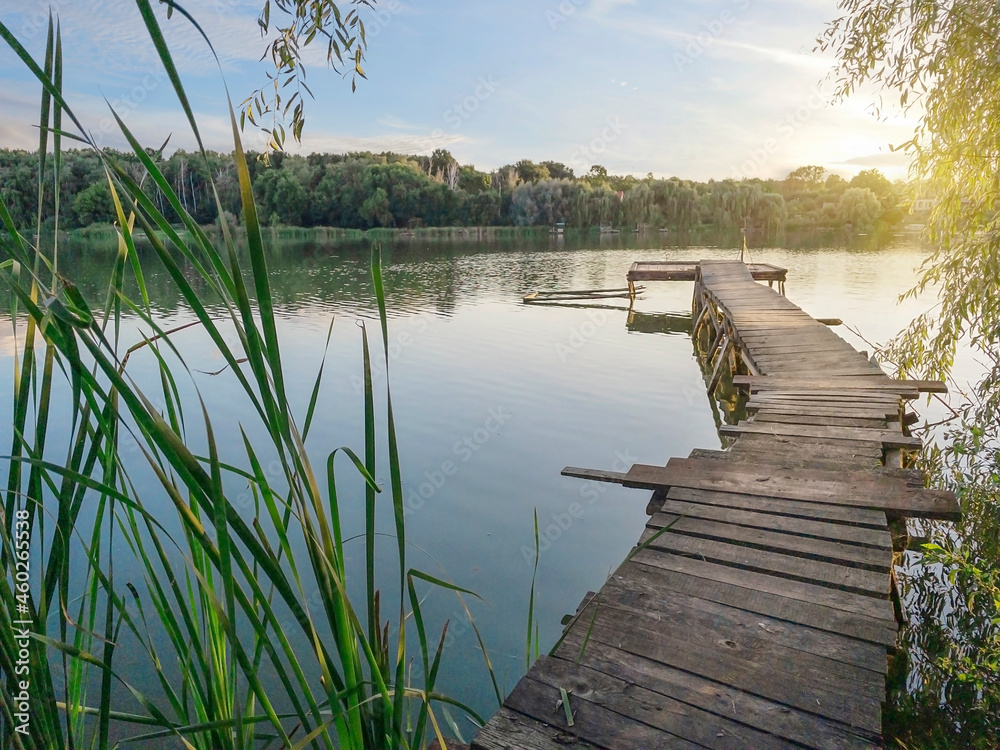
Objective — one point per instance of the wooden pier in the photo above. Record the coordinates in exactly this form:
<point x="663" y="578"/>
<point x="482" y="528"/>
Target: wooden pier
<point x="685" y="270"/>
<point x="756" y="611"/>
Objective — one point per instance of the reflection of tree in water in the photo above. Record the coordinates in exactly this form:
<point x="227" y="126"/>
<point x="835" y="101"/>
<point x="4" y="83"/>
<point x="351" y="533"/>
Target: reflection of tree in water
<point x="727" y="402"/>
<point x="335" y="274"/>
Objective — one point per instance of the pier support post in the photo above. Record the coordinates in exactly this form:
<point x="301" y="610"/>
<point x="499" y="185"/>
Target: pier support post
<point x="727" y="346"/>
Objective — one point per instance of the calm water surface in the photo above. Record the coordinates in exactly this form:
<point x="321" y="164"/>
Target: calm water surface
<point x="493" y="398"/>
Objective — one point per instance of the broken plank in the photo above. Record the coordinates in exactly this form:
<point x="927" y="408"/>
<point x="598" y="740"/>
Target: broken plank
<point x="595" y="475"/>
<point x="510" y="729"/>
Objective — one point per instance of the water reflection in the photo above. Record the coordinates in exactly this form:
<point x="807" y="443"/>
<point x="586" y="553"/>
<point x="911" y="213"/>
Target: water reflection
<point x="671" y="324"/>
<point x="577" y="385"/>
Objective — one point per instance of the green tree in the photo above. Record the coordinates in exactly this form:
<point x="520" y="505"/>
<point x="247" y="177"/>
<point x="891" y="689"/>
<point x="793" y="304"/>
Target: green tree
<point x="859" y="207"/>
<point x="941" y="56"/>
<point x="281" y="195"/>
<point x="936" y="53"/>
<point x="472" y="181"/>
<point x="557" y="170"/>
<point x="528" y="171"/>
<point x="877" y="183"/>
<point x="805" y="178"/>
<point x="375" y="209"/>
<point x="94" y="205"/>
<point x="771" y="212"/>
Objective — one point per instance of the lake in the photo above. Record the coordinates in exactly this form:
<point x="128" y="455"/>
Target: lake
<point x="493" y="398"/>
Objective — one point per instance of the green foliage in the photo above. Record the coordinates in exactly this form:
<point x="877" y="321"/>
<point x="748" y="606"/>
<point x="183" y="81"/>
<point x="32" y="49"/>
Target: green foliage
<point x="528" y="171"/>
<point x="365" y="190"/>
<point x="859" y="207"/>
<point x="94" y="205"/>
<point x="237" y="615"/>
<point x="936" y="55"/>
<point x="805" y="178"/>
<point x="874" y="181"/>
<point x="948" y="685"/>
<point x="933" y="53"/>
<point x="302" y="23"/>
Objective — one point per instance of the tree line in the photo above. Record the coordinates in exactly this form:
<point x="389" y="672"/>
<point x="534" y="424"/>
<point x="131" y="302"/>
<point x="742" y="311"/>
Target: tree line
<point x="367" y="190"/>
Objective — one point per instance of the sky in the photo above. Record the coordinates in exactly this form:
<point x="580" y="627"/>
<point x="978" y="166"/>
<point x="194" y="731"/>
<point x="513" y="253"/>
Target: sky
<point x="696" y="89"/>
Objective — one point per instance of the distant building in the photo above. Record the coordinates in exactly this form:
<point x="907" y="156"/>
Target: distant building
<point x="923" y="204"/>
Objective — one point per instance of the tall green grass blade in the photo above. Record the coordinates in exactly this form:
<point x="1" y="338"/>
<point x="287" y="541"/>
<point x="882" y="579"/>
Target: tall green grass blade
<point x="216" y="588"/>
<point x="156" y="35"/>
<point x="314" y="395"/>
<point x="531" y="600"/>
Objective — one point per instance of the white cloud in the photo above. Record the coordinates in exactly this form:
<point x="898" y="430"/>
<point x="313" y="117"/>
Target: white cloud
<point x="391" y="121"/>
<point x="399" y="142"/>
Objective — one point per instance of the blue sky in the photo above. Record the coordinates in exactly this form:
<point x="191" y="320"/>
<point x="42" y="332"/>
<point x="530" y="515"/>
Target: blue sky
<point x="696" y="89"/>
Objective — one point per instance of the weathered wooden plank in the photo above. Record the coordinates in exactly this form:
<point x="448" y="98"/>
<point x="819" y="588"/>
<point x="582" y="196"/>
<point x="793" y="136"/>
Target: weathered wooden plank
<point x="774" y="506"/>
<point x="853" y="489"/>
<point x="642" y="592"/>
<point x="821" y="686"/>
<point x="848" y="410"/>
<point x="596" y="724"/>
<point x="786" y="543"/>
<point x="888" y="438"/>
<point x="859" y="401"/>
<point x="802" y="727"/>
<point x="781" y="366"/>
<point x="636" y="702"/>
<point x="510" y="730"/>
<point x="806" y="360"/>
<point x="778" y="345"/>
<point x="858" y="580"/>
<point x="870" y="396"/>
<point x="789" y="333"/>
<point x="878" y="611"/>
<point x="813" y="606"/>
<point x="802" y="459"/>
<point x="817" y="420"/>
<point x="799" y="409"/>
<point x="815" y="365"/>
<point x="826" y="409"/>
<point x="877" y="538"/>
<point x="595" y="475"/>
<point x="787" y="448"/>
<point x="858" y="455"/>
<point x="765" y="383"/>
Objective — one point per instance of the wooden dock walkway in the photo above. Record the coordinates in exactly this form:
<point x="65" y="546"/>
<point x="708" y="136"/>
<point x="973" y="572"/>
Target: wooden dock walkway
<point x="755" y="612"/>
